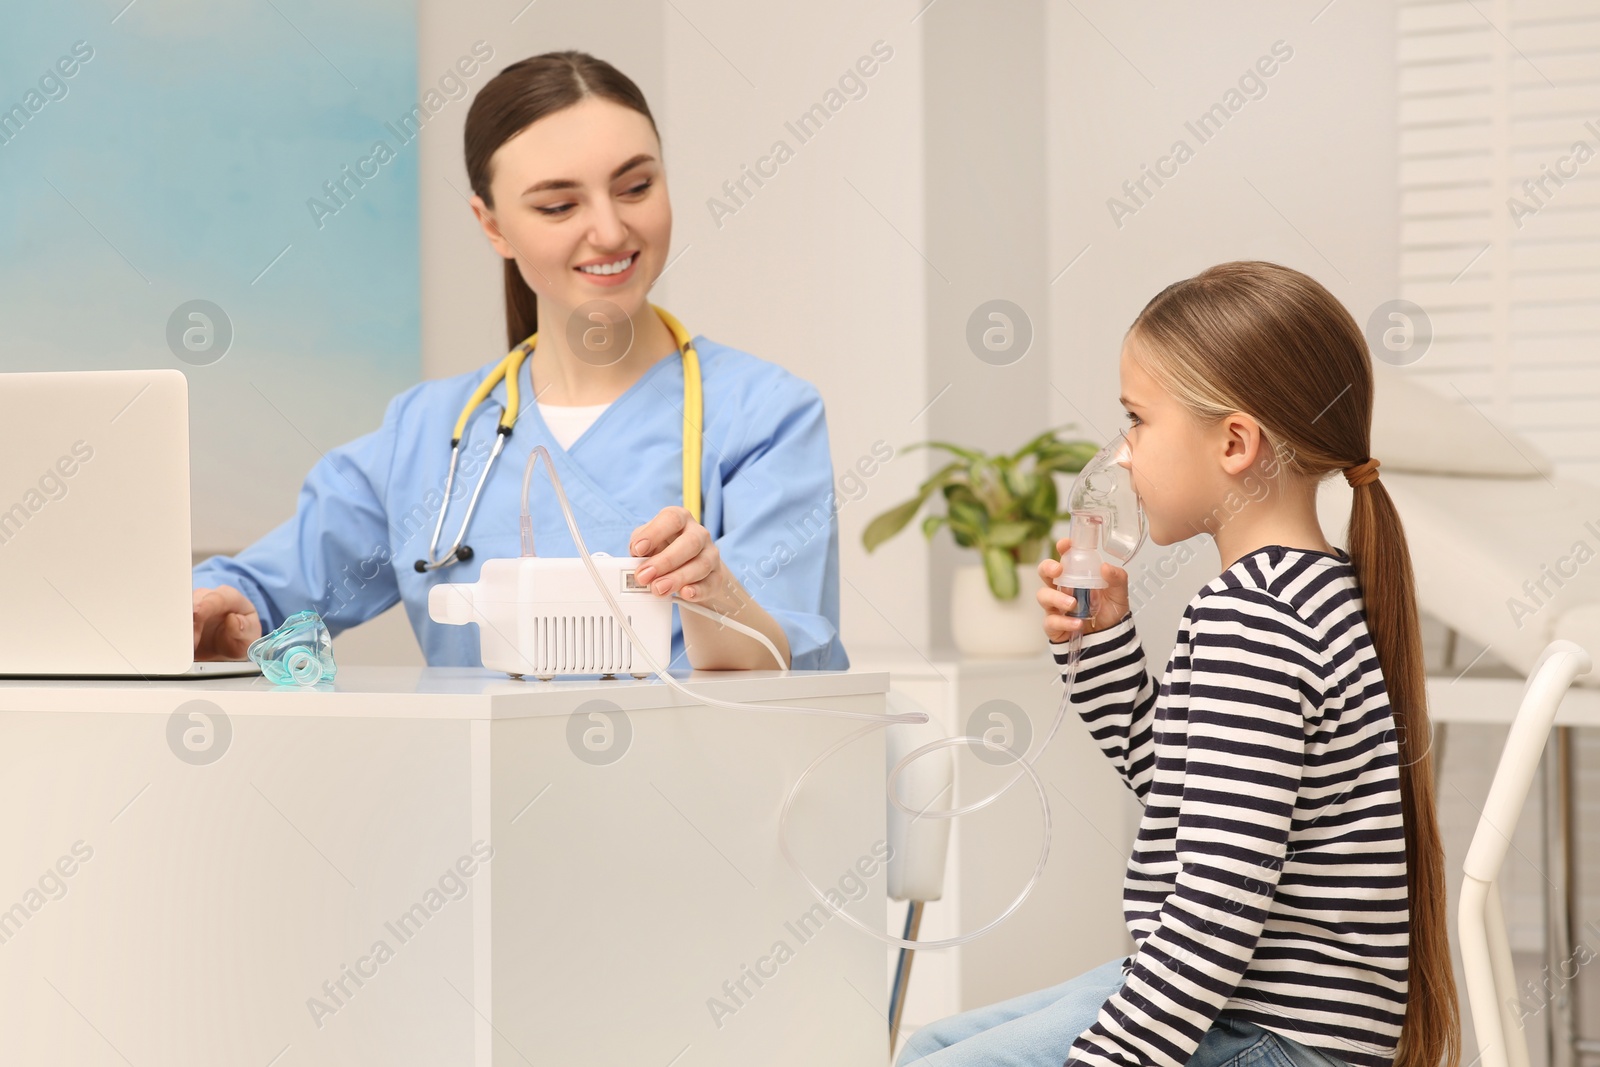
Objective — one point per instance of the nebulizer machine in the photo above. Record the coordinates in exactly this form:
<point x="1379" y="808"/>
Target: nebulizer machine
<point x="535" y="617"/>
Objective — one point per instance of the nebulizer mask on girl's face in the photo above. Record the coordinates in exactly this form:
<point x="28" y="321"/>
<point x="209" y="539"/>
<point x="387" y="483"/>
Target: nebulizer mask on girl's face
<point x="1108" y="522"/>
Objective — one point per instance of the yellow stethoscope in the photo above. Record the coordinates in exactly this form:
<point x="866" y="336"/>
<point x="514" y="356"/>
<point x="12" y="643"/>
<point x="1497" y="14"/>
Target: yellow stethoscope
<point x="507" y="371"/>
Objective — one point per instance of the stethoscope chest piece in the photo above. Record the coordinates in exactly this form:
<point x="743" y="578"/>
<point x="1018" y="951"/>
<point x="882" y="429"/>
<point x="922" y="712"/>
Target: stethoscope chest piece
<point x="460" y="552"/>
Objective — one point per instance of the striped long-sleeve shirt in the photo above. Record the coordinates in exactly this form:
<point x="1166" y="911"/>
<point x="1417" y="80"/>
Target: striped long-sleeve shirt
<point x="1268" y="878"/>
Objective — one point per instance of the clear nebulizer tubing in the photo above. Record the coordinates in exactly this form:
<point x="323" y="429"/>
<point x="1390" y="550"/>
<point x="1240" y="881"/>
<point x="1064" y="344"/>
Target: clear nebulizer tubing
<point x="1108" y="520"/>
<point x="1111" y="458"/>
<point x="1026" y="770"/>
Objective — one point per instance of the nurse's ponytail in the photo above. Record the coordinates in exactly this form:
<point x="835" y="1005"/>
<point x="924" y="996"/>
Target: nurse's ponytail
<point x="509" y="103"/>
<point x="1271" y="342"/>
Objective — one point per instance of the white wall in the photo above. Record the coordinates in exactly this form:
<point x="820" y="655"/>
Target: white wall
<point x="807" y="273"/>
<point x="1304" y="175"/>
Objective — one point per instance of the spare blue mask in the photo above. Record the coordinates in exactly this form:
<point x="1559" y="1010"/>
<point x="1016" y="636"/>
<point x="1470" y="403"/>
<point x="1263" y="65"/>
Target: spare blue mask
<point x="300" y="652"/>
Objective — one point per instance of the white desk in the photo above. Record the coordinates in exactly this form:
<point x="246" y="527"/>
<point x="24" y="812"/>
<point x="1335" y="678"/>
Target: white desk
<point x="218" y="897"/>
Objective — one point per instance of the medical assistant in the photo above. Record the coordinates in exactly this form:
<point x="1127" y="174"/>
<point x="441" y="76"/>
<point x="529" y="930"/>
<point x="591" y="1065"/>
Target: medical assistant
<point x="368" y="508"/>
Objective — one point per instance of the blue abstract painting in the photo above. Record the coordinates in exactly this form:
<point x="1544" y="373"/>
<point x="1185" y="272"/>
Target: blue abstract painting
<point x="195" y="184"/>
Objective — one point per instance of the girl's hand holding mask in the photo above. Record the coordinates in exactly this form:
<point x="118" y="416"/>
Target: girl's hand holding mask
<point x="1110" y="604"/>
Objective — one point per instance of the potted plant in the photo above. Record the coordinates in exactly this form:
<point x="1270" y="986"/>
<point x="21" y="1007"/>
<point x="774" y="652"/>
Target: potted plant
<point x="1004" y="507"/>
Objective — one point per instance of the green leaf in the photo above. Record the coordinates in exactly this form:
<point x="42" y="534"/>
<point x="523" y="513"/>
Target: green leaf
<point x="894" y="520"/>
<point x="891" y="522"/>
<point x="1042" y="442"/>
<point x="966" y="535"/>
<point x="1009" y="534"/>
<point x="1043" y="502"/>
<point x="1001" y="571"/>
<point x="968" y="454"/>
<point x="932" y="523"/>
<point x="987" y="483"/>
<point x="943" y="476"/>
<point x="1021" y="482"/>
<point x="969" y="513"/>
<point x="1069" y="457"/>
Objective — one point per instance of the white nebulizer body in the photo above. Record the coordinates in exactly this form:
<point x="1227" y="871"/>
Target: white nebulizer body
<point x="541" y="615"/>
<point x="1108" y="523"/>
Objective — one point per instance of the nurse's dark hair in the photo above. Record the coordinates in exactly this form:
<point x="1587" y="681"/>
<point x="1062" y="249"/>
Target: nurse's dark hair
<point x="1272" y="343"/>
<point x="509" y="103"/>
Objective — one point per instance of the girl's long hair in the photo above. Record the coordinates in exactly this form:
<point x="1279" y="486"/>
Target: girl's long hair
<point x="509" y="103"/>
<point x="1271" y="342"/>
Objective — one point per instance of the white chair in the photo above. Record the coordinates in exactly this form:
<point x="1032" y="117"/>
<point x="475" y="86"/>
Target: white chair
<point x="1485" y="950"/>
<point x="916" y="866"/>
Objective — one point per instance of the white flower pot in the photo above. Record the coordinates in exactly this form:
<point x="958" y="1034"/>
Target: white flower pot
<point x="985" y="626"/>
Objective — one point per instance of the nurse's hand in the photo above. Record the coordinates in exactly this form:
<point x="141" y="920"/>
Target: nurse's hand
<point x="1110" y="604"/>
<point x="225" y="622"/>
<point x="682" y="555"/>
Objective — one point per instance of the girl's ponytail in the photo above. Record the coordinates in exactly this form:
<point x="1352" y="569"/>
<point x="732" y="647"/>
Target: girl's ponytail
<point x="1431" y="1034"/>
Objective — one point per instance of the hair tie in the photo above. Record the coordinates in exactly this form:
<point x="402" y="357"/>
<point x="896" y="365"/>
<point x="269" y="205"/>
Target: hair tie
<point x="1361" y="473"/>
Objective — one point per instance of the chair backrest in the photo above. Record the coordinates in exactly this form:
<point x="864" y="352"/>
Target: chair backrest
<point x="1558" y="665"/>
<point x="1485" y="951"/>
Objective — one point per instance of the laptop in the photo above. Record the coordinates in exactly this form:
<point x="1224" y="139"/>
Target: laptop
<point x="94" y="527"/>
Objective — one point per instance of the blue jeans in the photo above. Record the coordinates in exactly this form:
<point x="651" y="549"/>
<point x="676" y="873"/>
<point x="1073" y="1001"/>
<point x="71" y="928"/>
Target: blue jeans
<point x="1038" y="1029"/>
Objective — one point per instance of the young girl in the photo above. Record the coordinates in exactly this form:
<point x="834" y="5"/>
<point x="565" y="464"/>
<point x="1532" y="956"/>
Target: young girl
<point x="1286" y="890"/>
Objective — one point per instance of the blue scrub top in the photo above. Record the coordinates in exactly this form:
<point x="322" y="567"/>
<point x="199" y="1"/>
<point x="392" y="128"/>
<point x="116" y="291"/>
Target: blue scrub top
<point x="367" y="510"/>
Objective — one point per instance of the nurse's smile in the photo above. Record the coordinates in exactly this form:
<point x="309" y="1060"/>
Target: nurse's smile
<point x="611" y="271"/>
